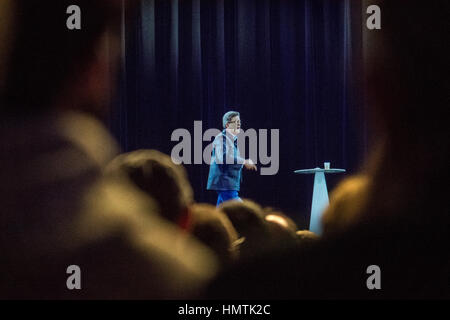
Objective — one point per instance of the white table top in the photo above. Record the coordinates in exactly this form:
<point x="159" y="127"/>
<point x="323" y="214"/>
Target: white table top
<point x="309" y="171"/>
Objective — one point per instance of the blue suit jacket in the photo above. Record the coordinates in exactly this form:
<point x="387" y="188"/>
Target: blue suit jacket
<point x="225" y="171"/>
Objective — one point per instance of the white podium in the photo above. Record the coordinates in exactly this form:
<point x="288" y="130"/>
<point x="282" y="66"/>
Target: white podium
<point x="320" y="196"/>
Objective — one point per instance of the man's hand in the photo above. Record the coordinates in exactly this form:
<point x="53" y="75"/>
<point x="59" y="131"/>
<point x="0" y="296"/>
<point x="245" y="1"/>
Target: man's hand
<point x="250" y="165"/>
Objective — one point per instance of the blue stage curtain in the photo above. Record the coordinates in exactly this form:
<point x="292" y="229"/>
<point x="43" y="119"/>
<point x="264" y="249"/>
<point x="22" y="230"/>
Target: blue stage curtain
<point x="289" y="65"/>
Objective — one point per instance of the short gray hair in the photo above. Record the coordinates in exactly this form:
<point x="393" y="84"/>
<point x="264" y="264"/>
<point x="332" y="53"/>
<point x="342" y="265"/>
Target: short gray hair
<point x="228" y="116"/>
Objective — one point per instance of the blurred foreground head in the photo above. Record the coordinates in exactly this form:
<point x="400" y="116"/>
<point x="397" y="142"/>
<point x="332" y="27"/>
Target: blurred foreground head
<point x="282" y="228"/>
<point x="261" y="232"/>
<point x="277" y="216"/>
<point x="44" y="65"/>
<point x="407" y="82"/>
<point x="213" y="228"/>
<point x="248" y="220"/>
<point x="155" y="173"/>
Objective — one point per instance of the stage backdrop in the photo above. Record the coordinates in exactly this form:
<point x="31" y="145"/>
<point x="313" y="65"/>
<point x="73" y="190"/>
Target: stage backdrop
<point x="288" y="65"/>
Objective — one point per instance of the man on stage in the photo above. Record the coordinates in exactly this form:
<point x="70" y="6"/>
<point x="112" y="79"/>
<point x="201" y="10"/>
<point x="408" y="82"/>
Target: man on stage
<point x="226" y="163"/>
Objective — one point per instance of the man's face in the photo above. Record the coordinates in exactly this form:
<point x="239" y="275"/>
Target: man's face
<point x="234" y="126"/>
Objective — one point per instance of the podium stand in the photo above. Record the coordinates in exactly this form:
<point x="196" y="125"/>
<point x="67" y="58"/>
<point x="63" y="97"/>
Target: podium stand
<point x="320" y="196"/>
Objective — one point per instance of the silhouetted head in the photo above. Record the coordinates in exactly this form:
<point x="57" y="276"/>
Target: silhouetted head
<point x="155" y="174"/>
<point x="408" y="94"/>
<point x="306" y="237"/>
<point x="248" y="219"/>
<point x="213" y="228"/>
<point x="408" y="83"/>
<point x="282" y="228"/>
<point x="277" y="216"/>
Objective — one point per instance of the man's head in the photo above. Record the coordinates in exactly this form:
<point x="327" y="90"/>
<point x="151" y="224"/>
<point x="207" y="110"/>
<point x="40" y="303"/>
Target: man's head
<point x="155" y="174"/>
<point x="50" y="66"/>
<point x="232" y="122"/>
